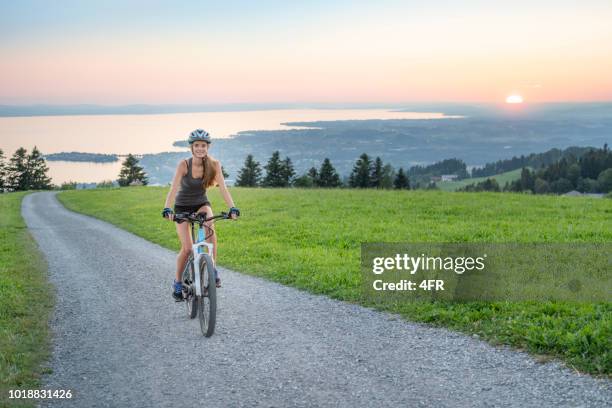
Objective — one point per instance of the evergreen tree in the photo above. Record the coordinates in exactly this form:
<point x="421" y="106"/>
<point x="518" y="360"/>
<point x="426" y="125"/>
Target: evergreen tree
<point x="250" y="174"/>
<point x="288" y="172"/>
<point x="351" y="180"/>
<point x="587" y="185"/>
<point x="131" y="172"/>
<point x="541" y="186"/>
<point x="274" y="172"/>
<point x="589" y="165"/>
<point x="573" y="173"/>
<point x="37" y="168"/>
<point x="595" y="161"/>
<point x="490" y="184"/>
<point x="304" y="181"/>
<point x="18" y="176"/>
<point x="388" y="174"/>
<point x="308" y="179"/>
<point x="401" y="180"/>
<point x="513" y="186"/>
<point x="561" y="186"/>
<point x="376" y="173"/>
<point x="527" y="180"/>
<point x="314" y="175"/>
<point x="225" y="173"/>
<point x="2" y="172"/>
<point x="360" y="177"/>
<point x="328" y="177"/>
<point x="605" y="180"/>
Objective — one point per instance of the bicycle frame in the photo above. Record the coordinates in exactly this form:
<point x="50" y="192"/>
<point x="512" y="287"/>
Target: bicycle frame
<point x="197" y="249"/>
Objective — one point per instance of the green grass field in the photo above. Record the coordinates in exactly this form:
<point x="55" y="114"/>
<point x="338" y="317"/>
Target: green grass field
<point x="25" y="304"/>
<point x="501" y="178"/>
<point x="311" y="239"/>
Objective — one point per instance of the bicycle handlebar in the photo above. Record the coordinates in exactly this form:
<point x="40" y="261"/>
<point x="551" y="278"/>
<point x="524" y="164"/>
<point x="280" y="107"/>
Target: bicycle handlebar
<point x="198" y="217"/>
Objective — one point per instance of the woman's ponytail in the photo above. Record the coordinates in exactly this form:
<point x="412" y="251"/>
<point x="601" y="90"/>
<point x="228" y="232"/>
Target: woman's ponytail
<point x="209" y="166"/>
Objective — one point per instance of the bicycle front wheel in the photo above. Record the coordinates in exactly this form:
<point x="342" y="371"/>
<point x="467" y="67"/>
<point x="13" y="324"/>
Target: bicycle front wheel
<point x="190" y="300"/>
<point x="207" y="305"/>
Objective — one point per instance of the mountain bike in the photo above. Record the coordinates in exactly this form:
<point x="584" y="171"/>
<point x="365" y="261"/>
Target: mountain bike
<point x="198" y="277"/>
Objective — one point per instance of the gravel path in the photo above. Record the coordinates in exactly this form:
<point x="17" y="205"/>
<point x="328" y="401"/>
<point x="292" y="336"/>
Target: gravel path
<point x="121" y="341"/>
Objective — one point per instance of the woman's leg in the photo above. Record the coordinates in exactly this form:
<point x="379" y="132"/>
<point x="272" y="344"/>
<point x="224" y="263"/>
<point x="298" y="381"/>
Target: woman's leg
<point x="184" y="235"/>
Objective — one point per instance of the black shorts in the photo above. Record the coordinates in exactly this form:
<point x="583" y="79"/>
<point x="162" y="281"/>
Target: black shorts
<point x="189" y="208"/>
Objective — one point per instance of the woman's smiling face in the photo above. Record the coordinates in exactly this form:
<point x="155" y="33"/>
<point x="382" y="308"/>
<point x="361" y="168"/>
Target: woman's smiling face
<point x="199" y="149"/>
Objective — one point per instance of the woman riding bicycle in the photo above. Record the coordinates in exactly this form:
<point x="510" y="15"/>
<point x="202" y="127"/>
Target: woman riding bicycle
<point x="194" y="176"/>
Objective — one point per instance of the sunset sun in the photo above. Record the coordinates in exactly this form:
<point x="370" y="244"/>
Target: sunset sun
<point x="514" y="99"/>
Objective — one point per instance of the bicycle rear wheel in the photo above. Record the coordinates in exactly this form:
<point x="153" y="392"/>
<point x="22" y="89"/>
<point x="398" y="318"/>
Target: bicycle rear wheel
<point x="190" y="300"/>
<point x="207" y="303"/>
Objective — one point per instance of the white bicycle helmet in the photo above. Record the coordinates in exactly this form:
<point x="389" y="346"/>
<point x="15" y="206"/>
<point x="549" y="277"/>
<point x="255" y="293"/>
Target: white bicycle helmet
<point x="199" y="135"/>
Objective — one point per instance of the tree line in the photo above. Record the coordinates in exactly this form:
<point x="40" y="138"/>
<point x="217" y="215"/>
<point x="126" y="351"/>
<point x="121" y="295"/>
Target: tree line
<point x="533" y="160"/>
<point x="24" y="171"/>
<point x="589" y="173"/>
<point x="366" y="173"/>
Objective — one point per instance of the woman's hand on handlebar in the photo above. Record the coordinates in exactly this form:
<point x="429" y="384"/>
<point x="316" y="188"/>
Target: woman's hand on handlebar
<point x="168" y="213"/>
<point x="233" y="213"/>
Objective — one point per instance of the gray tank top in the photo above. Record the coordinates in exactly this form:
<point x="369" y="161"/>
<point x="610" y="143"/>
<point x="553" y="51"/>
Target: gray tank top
<point x="191" y="192"/>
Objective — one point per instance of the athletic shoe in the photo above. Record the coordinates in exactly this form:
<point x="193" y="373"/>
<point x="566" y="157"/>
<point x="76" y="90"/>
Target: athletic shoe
<point x="217" y="278"/>
<point x="177" y="293"/>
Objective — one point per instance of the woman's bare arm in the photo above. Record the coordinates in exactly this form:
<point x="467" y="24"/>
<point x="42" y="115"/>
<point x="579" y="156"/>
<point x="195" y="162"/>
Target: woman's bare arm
<point x="224" y="191"/>
<point x="181" y="170"/>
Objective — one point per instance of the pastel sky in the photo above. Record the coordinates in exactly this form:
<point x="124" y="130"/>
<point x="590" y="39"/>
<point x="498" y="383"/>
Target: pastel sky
<point x="183" y="52"/>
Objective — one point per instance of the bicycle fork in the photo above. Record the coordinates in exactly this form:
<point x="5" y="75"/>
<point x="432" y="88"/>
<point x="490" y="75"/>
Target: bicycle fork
<point x="198" y="250"/>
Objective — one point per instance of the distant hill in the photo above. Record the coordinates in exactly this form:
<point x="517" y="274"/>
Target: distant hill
<point x="554" y="111"/>
<point x="82" y="157"/>
<point x="143" y="109"/>
<point x="533" y="160"/>
<point x="401" y="142"/>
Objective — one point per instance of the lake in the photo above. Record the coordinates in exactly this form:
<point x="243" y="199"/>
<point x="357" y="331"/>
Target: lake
<point x="140" y="134"/>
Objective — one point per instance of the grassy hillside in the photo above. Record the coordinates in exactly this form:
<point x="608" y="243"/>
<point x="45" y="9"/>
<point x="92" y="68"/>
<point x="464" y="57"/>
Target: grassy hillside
<point x="501" y="178"/>
<point x="311" y="239"/>
<point x="25" y="303"/>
